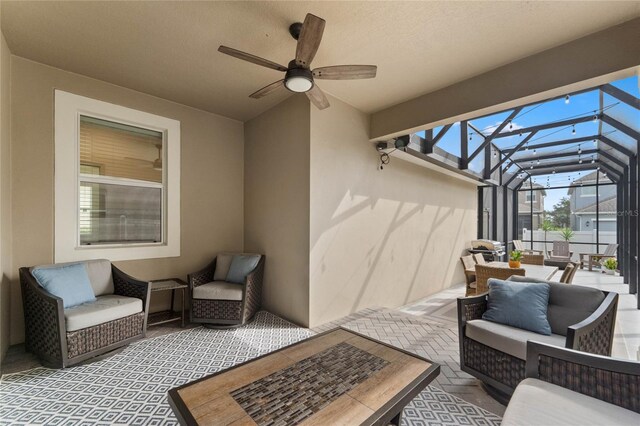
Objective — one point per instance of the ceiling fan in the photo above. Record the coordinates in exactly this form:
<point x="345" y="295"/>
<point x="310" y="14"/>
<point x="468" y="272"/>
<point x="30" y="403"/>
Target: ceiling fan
<point x="298" y="75"/>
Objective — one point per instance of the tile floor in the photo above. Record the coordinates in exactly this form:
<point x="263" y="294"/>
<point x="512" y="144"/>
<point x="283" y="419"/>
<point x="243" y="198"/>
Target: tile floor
<point x="415" y="320"/>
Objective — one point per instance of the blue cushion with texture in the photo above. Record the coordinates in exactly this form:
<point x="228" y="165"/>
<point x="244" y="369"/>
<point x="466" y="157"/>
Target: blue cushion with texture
<point x="520" y="305"/>
<point x="241" y="266"/>
<point x="70" y="283"/>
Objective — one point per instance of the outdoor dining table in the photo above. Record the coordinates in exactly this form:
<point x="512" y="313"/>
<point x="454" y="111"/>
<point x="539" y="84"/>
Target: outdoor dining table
<point x="541" y="272"/>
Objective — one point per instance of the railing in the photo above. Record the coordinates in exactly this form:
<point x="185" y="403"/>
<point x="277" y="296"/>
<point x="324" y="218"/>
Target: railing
<point x="581" y="242"/>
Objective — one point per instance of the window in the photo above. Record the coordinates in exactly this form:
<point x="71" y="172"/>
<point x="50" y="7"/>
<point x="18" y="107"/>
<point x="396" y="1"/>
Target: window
<point x="117" y="182"/>
<point x="587" y="191"/>
<point x="529" y="196"/>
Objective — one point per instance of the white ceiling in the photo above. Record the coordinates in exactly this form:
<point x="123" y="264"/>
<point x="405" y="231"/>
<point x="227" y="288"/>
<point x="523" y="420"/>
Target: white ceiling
<point x="168" y="49"/>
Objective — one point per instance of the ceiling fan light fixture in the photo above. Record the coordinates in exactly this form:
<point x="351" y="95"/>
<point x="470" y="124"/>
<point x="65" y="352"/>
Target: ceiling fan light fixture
<point x="298" y="80"/>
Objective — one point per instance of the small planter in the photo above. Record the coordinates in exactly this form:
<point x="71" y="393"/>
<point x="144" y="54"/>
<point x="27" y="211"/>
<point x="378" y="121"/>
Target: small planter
<point x="609" y="271"/>
<point x="514" y="264"/>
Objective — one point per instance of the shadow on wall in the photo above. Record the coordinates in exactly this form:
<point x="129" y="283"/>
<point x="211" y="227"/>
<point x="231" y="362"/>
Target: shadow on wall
<point x="387" y="237"/>
<point x="5" y="313"/>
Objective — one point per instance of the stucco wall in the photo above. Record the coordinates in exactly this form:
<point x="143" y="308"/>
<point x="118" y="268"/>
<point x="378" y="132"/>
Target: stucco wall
<point x="211" y="177"/>
<point x="378" y="237"/>
<point x="276" y="214"/>
<point x="5" y="196"/>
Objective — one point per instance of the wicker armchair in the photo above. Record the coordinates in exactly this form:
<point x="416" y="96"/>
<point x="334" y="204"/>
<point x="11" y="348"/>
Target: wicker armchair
<point x="533" y="259"/>
<point x="484" y="272"/>
<point x="226" y="309"/>
<point x="46" y="333"/>
<point x="502" y="368"/>
<point x="469" y="274"/>
<point x="564" y="386"/>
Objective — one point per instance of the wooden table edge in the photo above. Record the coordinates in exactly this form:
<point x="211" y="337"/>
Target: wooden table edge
<point x="185" y="417"/>
<point x="178" y="280"/>
<point x="384" y="414"/>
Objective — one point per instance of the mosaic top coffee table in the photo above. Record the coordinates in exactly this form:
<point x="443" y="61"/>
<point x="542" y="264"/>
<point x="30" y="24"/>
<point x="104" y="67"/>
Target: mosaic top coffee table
<point x="337" y="377"/>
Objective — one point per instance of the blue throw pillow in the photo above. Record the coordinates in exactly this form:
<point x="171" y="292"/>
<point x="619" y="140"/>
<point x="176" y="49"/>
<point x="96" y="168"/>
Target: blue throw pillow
<point x="520" y="305"/>
<point x="70" y="283"/>
<point x="240" y="267"/>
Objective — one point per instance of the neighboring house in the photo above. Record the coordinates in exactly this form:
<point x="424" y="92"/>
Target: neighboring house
<point x="525" y="200"/>
<point x="582" y="201"/>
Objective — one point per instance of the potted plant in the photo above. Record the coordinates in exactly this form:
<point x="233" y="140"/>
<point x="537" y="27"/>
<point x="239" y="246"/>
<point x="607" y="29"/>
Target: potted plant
<point x="566" y="234"/>
<point x="610" y="265"/>
<point x="514" y="259"/>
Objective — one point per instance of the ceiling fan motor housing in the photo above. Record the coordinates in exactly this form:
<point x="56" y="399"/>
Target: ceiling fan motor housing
<point x="298" y="79"/>
<point x="295" y="29"/>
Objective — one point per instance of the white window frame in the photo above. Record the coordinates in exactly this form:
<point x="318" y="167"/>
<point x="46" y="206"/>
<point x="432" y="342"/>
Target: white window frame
<point x="68" y="109"/>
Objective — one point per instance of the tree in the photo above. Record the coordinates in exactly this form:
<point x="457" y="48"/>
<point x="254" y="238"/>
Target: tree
<point x="566" y="234"/>
<point x="546" y="227"/>
<point x="561" y="213"/>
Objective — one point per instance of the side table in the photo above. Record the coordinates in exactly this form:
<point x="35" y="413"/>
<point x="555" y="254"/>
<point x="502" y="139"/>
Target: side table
<point x="172" y="284"/>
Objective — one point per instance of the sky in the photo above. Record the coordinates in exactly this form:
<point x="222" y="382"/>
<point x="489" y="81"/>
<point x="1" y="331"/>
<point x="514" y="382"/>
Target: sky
<point x="577" y="106"/>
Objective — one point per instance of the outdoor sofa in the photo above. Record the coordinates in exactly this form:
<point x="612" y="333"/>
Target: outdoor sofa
<point x="581" y="318"/>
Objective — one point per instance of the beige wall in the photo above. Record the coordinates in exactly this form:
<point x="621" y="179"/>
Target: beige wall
<point x="277" y="204"/>
<point x="595" y="59"/>
<point x="378" y="237"/>
<point x="211" y="169"/>
<point x="5" y="196"/>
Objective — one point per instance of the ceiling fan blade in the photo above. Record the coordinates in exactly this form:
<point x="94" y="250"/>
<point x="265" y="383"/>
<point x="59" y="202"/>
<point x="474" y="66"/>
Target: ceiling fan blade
<point x="317" y="97"/>
<point x="309" y="40"/>
<point x="345" y="72"/>
<point x="251" y="58"/>
<point x="267" y="89"/>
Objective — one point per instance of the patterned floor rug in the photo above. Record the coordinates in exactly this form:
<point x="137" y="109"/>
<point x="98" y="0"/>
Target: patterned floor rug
<point x="131" y="387"/>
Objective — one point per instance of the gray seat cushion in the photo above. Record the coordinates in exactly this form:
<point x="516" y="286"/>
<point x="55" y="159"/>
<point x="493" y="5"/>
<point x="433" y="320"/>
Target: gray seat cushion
<point x="568" y="304"/>
<point x="508" y="339"/>
<point x="104" y="309"/>
<point x="218" y="290"/>
<point x="99" y="271"/>
<point x="536" y="402"/>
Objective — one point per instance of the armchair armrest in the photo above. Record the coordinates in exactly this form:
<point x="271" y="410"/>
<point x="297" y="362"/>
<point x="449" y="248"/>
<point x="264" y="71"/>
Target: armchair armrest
<point x="611" y="380"/>
<point x="203" y="276"/>
<point x="595" y="333"/>
<point x="45" y="328"/>
<point x="470" y="308"/>
<point x="253" y="290"/>
<point x="126" y="285"/>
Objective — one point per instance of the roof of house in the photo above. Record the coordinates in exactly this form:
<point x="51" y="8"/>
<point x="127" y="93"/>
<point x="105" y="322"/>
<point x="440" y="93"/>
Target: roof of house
<point x="535" y="186"/>
<point x="591" y="178"/>
<point x="607" y="205"/>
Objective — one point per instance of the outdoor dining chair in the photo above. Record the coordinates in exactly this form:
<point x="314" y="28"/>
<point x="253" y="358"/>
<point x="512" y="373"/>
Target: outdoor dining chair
<point x="469" y="273"/>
